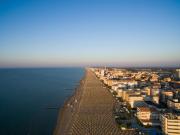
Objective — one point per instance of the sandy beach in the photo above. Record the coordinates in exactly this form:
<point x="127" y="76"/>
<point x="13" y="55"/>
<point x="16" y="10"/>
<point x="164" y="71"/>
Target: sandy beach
<point x="89" y="111"/>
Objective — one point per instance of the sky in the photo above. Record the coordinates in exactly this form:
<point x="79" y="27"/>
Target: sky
<point x="57" y="33"/>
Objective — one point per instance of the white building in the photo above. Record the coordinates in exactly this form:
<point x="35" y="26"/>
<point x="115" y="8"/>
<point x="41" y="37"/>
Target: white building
<point x="102" y="72"/>
<point x="119" y="93"/>
<point x="178" y="73"/>
<point x="148" y="116"/>
<point x="170" y="124"/>
<point x="135" y="100"/>
<point x="174" y="104"/>
<point x="155" y="99"/>
<point x="115" y="87"/>
<point x="165" y="95"/>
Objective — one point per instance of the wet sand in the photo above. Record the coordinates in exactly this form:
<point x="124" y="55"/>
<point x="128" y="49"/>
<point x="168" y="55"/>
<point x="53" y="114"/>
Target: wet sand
<point x="89" y="111"/>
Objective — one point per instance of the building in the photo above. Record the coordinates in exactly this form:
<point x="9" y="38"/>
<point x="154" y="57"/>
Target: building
<point x="119" y="93"/>
<point x="178" y="73"/>
<point x="124" y="93"/>
<point x="135" y="100"/>
<point x="165" y="95"/>
<point x="154" y="78"/>
<point x="148" y="116"/>
<point x="147" y="90"/>
<point x="174" y="104"/>
<point x="154" y="92"/>
<point x="170" y="124"/>
<point x="115" y="87"/>
<point x="102" y="72"/>
<point x="175" y="84"/>
<point x="155" y="99"/>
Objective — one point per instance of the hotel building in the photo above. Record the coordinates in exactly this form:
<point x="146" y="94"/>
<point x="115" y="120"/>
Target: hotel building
<point x="170" y="124"/>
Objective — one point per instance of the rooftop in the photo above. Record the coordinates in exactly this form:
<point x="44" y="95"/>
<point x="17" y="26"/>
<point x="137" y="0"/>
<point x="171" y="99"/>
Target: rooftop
<point x="172" y="116"/>
<point x="147" y="109"/>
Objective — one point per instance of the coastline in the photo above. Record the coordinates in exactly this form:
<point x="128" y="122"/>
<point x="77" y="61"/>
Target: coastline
<point x="66" y="113"/>
<point x="89" y="111"/>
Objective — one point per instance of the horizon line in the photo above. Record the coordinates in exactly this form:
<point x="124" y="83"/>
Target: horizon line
<point x="99" y="66"/>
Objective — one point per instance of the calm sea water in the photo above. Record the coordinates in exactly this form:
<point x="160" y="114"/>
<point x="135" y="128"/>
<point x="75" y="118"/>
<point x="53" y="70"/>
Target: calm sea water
<point x="26" y="94"/>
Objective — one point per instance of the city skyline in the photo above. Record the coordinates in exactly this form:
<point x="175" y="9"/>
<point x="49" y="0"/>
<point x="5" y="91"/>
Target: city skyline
<point x="89" y="33"/>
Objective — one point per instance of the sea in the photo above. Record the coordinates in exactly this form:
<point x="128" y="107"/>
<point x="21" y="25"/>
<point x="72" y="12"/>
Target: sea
<point x="30" y="98"/>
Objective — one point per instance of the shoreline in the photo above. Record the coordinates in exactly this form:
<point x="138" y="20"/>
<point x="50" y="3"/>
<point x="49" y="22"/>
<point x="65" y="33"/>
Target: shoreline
<point x="89" y="111"/>
<point x="66" y="111"/>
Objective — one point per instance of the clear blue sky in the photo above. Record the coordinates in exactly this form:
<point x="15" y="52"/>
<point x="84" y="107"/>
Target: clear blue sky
<point x="36" y="33"/>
